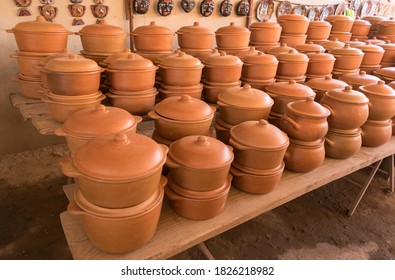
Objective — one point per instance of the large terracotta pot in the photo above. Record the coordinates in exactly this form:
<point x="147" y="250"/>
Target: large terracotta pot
<point x="136" y="103"/>
<point x="153" y="38"/>
<point x="332" y="44"/>
<point x="340" y="23"/>
<point x="232" y="37"/>
<point x="320" y="64"/>
<point x="211" y="92"/>
<point x="258" y="146"/>
<point x="359" y="79"/>
<point x="119" y="230"/>
<point x="376" y="133"/>
<point x="386" y="27"/>
<point x="341" y="36"/>
<point x="40" y="36"/>
<point x="124" y="54"/>
<point x="29" y="88"/>
<point x="347" y="58"/>
<point x="243" y="104"/>
<point x="388" y="59"/>
<point x="264" y="32"/>
<point x="305" y="120"/>
<point x="373" y="54"/>
<point x="293" y="40"/>
<point x="387" y="74"/>
<point x="283" y="48"/>
<point x="259" y="66"/>
<point x="360" y="27"/>
<point x="177" y="117"/>
<point x="293" y="24"/>
<point x="321" y="85"/>
<point x="292" y="64"/>
<point x="199" y="163"/>
<point x="223" y="68"/>
<point x="342" y="144"/>
<point x="28" y="62"/>
<point x="195" y="37"/>
<point x="349" y="108"/>
<point x="318" y="30"/>
<point x="304" y="156"/>
<point x="374" y="21"/>
<point x="106" y="172"/>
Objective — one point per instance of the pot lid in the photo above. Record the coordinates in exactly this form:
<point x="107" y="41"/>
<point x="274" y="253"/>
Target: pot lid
<point x="223" y="59"/>
<point x="125" y="53"/>
<point x="332" y="44"/>
<point x="369" y="47"/>
<point x="355" y="42"/>
<point x="40" y="25"/>
<point x="375" y="41"/>
<point x="202" y="152"/>
<point x="131" y="62"/>
<point x="245" y="97"/>
<point x="283" y="48"/>
<point x="386" y="72"/>
<point x="259" y="134"/>
<point x="310" y="47"/>
<point x="249" y="51"/>
<point x="374" y="18"/>
<point x="181" y="60"/>
<point x="379" y="88"/>
<point x="64" y="53"/>
<point x="386" y="22"/>
<point x="308" y="108"/>
<point x="320" y="57"/>
<point x="346" y="50"/>
<point x="102" y="28"/>
<point x="184" y="108"/>
<point x="359" y="78"/>
<point x="232" y="28"/>
<point x="98" y="121"/>
<point x="120" y="158"/>
<point x="196" y="28"/>
<point x="72" y="63"/>
<point x="361" y="22"/>
<point x="160" y="58"/>
<point x="296" y="17"/>
<point x="292" y="55"/>
<point x="347" y="95"/>
<point x="392" y="84"/>
<point x="265" y="24"/>
<point x="388" y="45"/>
<point x="333" y="18"/>
<point x="325" y="84"/>
<point x="260" y="58"/>
<point x="153" y="29"/>
<point x="318" y="23"/>
<point x="290" y="88"/>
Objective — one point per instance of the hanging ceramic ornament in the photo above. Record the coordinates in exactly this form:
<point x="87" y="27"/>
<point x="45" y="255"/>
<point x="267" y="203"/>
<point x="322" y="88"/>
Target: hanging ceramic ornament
<point x="77" y="11"/>
<point x="47" y="2"/>
<point x="264" y="10"/>
<point x="165" y="7"/>
<point x="23" y="11"/>
<point x="243" y="8"/>
<point x="141" y="6"/>
<point x="226" y="8"/>
<point x="99" y="11"/>
<point x="48" y="12"/>
<point x="98" y="1"/>
<point x="206" y="8"/>
<point x="188" y="5"/>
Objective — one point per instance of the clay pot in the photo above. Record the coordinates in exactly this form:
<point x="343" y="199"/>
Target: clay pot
<point x="341" y="36"/>
<point x="262" y="183"/>
<point x="372" y="54"/>
<point x="100" y="121"/>
<point x="180" y="70"/>
<point x="349" y="108"/>
<point x="166" y="91"/>
<point x="197" y="205"/>
<point x="388" y="59"/>
<point x="72" y="75"/>
<point x="340" y="23"/>
<point x="347" y="58"/>
<point x="374" y="21"/>
<point x="28" y="62"/>
<point x="355" y="42"/>
<point x="387" y="74"/>
<point x="211" y="92"/>
<point x="106" y="172"/>
<point x="258" y="84"/>
<point x="126" y="52"/>
<point x="247" y="52"/>
<point x="199" y="163"/>
<point x="265" y="47"/>
<point x="293" y="40"/>
<point x="304" y="156"/>
<point x="359" y="79"/>
<point x="285" y="92"/>
<point x="257" y="145"/>
<point x="223" y="68"/>
<point x="222" y="130"/>
<point x="232" y="37"/>
<point x="376" y="133"/>
<point x="135" y="103"/>
<point x="381" y="100"/>
<point x="360" y="27"/>
<point x="154" y="56"/>
<point x="318" y="30"/>
<point x="177" y="117"/>
<point x="332" y="44"/>
<point x="243" y="104"/>
<point x="73" y="98"/>
<point x="292" y="64"/>
<point x="29" y="88"/>
<point x="195" y="37"/>
<point x="153" y="38"/>
<point x="320" y="64"/>
<point x="341" y="144"/>
<point x="310" y="47"/>
<point x="386" y="27"/>
<point x="102" y="38"/>
<point x="119" y="230"/>
<point x="283" y="48"/>
<point x="321" y="85"/>
<point x="264" y="32"/>
<point x="40" y="36"/>
<point x="392" y="84"/>
<point x="305" y="120"/>
<point x="293" y="24"/>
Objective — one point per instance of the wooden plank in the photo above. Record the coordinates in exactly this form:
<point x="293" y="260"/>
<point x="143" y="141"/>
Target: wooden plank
<point x="45" y="125"/>
<point x="176" y="234"/>
<point x="17" y="100"/>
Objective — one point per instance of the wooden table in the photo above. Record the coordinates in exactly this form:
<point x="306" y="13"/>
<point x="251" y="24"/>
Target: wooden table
<point x="176" y="234"/>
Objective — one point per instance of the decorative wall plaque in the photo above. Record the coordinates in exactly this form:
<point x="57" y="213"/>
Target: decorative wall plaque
<point x="243" y="8"/>
<point x="77" y="10"/>
<point x="99" y="11"/>
<point x="23" y="11"/>
<point x="188" y="5"/>
<point x="206" y="7"/>
<point x="165" y="7"/>
<point x="48" y="12"/>
<point x="226" y="8"/>
<point x="141" y="6"/>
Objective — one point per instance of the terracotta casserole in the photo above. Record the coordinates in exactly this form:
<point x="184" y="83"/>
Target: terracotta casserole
<point x="29" y="62"/>
<point x="360" y="27"/>
<point x="153" y="38"/>
<point x="372" y="54"/>
<point x="310" y="47"/>
<point x="342" y="144"/>
<point x="376" y="133"/>
<point x="359" y="79"/>
<point x="386" y="27"/>
<point x="320" y="64"/>
<point x="347" y="58"/>
<point x="304" y="156"/>
<point x="318" y="30"/>
<point x="321" y="85"/>
<point x="232" y="37"/>
<point x="293" y="24"/>
<point x="259" y="66"/>
<point x="292" y="64"/>
<point x="222" y="68"/>
<point x="195" y="37"/>
<point x="340" y="23"/>
<point x="107" y="173"/>
<point x="388" y="59"/>
<point x="265" y="32"/>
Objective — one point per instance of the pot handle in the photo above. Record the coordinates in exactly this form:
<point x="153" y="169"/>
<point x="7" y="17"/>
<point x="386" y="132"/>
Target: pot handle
<point x="68" y="167"/>
<point x="164" y="148"/>
<point x="330" y="142"/>
<point x="170" y="194"/>
<point x="153" y="115"/>
<point x="137" y="119"/>
<point x="171" y="163"/>
<point x="289" y="120"/>
<point x="238" y="146"/>
<point x="230" y="148"/>
<point x="60" y="132"/>
<point x="329" y="108"/>
<point x="13" y="55"/>
<point x="220" y="103"/>
<point x="162" y="182"/>
<point x="74" y="209"/>
<point x="10" y="30"/>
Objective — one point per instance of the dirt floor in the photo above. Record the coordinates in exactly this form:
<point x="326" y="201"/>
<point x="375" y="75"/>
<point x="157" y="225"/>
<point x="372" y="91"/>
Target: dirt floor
<point x="314" y="226"/>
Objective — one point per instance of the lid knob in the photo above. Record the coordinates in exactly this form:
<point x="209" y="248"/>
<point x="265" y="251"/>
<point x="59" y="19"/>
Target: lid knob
<point x="152" y="23"/>
<point x="40" y="19"/>
<point x="347" y="45"/>
<point x="246" y="87"/>
<point x="252" y="48"/>
<point x="181" y="54"/>
<point x="291" y="51"/>
<point x="232" y="24"/>
<point x="196" y="23"/>
<point x="262" y="122"/>
<point x="362" y="73"/>
<point x="102" y="22"/>
<point x="185" y="98"/>
<point x="335" y="39"/>
<point x="72" y="56"/>
<point x="309" y="99"/>
<point x="387" y="41"/>
<point x="121" y="139"/>
<point x="283" y="45"/>
<point x="380" y="82"/>
<point x="292" y="82"/>
<point x="222" y="53"/>
<point x="368" y="42"/>
<point x="348" y="88"/>
<point x="100" y="108"/>
<point x="202" y="140"/>
<point x="327" y="78"/>
<point x="260" y="53"/>
<point x="309" y="43"/>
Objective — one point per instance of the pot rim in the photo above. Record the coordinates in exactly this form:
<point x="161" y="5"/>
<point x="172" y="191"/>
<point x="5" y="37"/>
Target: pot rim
<point x="258" y="172"/>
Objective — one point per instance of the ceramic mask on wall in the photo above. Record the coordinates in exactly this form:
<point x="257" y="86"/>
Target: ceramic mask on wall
<point x="77" y="10"/>
<point x="48" y="12"/>
<point x="243" y="8"/>
<point x="165" y="7"/>
<point x="207" y="7"/>
<point x="226" y="8"/>
<point x="47" y="2"/>
<point x="99" y="10"/>
<point x="23" y="3"/>
<point x="141" y="6"/>
<point x="188" y="5"/>
<point x="75" y="1"/>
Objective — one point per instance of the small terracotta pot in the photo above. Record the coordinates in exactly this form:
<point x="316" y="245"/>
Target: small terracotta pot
<point x="374" y="21"/>
<point x="386" y="27"/>
<point x="283" y="48"/>
<point x="293" y="40"/>
<point x="373" y="54"/>
<point x="360" y="27"/>
<point x="265" y="32"/>
<point x="318" y="30"/>
<point x="332" y="44"/>
<point x="153" y="38"/>
<point x="320" y="64"/>
<point x="322" y="85"/>
<point x="292" y="64"/>
<point x="359" y="79"/>
<point x="304" y="156"/>
<point x="340" y="23"/>
<point x="195" y="91"/>
<point x="347" y="58"/>
<point x="262" y="183"/>
<point x="260" y="66"/>
<point x="29" y="89"/>
<point x="310" y="47"/>
<point x="28" y="62"/>
<point x="195" y="37"/>
<point x="341" y="36"/>
<point x="211" y="92"/>
<point x="342" y="144"/>
<point x="232" y="37"/>
<point x="388" y="59"/>
<point x="136" y="104"/>
<point x="376" y="133"/>
<point x="222" y="132"/>
<point x="223" y="68"/>
<point x="293" y="24"/>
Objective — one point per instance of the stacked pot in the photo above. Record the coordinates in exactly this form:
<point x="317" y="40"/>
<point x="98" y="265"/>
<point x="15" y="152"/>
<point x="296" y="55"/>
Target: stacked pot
<point x="321" y="85"/>
<point x="332" y="44"/>
<point x="349" y="111"/>
<point x="385" y="30"/>
<point x="239" y="105"/>
<point x="265" y="35"/>
<point x="341" y="27"/>
<point x="348" y="60"/>
<point x="294" y="28"/>
<point x="359" y="79"/>
<point x="36" y="40"/>
<point x="259" y="150"/>
<point x="305" y="123"/>
<point x="195" y="40"/>
<point x="292" y="66"/>
<point x="221" y="71"/>
<point x="377" y="130"/>
<point x="73" y="84"/>
<point x="388" y="59"/>
<point x="232" y="39"/>
<point x="360" y="29"/>
<point x="198" y="177"/>
<point x="374" y="21"/>
<point x="318" y="31"/>
<point x="180" y="74"/>
<point x="386" y="74"/>
<point x="373" y="55"/>
<point x="180" y="116"/>
<point x="119" y="201"/>
<point x="153" y="41"/>
<point x="132" y="81"/>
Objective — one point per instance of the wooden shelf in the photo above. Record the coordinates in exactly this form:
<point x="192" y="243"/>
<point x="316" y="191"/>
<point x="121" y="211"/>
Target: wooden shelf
<point x="176" y="234"/>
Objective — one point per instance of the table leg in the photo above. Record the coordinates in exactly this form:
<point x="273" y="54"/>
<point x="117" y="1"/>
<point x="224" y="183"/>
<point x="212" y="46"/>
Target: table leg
<point x="388" y="166"/>
<point x="203" y="248"/>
